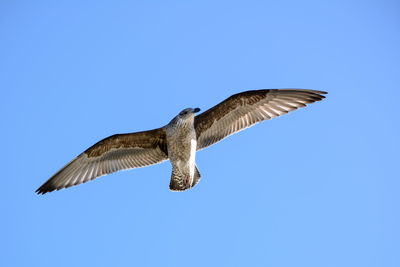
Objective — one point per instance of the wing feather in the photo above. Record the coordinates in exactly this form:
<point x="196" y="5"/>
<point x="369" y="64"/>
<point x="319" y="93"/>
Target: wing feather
<point x="115" y="153"/>
<point x="245" y="109"/>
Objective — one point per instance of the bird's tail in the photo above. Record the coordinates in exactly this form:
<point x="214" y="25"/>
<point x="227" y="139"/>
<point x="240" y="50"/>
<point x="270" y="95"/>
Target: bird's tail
<point x="179" y="181"/>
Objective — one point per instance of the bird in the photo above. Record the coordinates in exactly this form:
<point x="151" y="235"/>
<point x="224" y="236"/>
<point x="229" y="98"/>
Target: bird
<point x="180" y="139"/>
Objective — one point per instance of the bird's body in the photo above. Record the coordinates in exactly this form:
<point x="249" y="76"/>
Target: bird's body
<point x="182" y="146"/>
<point x="179" y="140"/>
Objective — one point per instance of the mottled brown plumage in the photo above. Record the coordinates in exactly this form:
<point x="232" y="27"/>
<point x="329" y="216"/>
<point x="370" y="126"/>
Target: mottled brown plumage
<point x="182" y="146"/>
<point x="114" y="153"/>
<point x="147" y="139"/>
<point x="245" y="109"/>
<point x="179" y="140"/>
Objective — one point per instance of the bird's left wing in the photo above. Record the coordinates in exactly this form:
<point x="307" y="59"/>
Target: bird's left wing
<point x="117" y="152"/>
<point x="245" y="109"/>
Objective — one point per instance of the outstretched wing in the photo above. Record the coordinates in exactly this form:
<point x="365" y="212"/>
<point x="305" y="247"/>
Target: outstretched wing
<point x="115" y="153"/>
<point x="245" y="109"/>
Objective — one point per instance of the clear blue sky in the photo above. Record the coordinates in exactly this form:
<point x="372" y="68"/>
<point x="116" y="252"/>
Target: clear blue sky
<point x="317" y="187"/>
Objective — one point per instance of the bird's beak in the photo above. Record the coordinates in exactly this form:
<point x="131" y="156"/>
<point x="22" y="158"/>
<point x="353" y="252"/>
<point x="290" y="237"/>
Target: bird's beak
<point x="196" y="110"/>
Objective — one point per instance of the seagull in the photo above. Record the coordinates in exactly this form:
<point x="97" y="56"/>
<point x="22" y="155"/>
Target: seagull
<point x="180" y="139"/>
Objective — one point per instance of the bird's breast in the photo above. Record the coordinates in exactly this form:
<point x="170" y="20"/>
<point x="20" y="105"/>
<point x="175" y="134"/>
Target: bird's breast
<point x="182" y="146"/>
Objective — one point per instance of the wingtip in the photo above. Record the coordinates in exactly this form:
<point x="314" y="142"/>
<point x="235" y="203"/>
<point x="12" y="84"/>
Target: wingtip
<point x="318" y="94"/>
<point x="316" y="91"/>
<point x="44" y="189"/>
<point x="40" y="191"/>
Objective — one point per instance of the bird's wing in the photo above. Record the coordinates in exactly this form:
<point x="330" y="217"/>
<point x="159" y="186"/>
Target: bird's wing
<point x="117" y="152"/>
<point x="245" y="109"/>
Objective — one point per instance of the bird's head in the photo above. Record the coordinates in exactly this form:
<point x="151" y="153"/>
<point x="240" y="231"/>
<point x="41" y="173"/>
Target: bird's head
<point x="187" y="113"/>
<point x="185" y="116"/>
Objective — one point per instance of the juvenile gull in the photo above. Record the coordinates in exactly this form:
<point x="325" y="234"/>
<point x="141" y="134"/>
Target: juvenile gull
<point x="179" y="140"/>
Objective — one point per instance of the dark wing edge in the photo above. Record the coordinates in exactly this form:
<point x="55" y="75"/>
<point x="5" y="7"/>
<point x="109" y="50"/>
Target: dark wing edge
<point x="245" y="109"/>
<point x="112" y="154"/>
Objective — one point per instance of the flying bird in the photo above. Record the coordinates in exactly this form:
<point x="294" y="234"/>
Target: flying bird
<point x="179" y="140"/>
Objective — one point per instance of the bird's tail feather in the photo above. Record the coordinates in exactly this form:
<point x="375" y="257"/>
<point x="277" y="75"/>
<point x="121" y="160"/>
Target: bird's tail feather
<point x="180" y="183"/>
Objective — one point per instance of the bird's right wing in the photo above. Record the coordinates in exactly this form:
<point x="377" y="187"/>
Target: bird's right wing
<point x="245" y="109"/>
<point x="117" y="152"/>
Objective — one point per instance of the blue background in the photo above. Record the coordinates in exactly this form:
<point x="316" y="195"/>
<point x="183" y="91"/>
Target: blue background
<point x="317" y="187"/>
